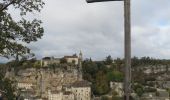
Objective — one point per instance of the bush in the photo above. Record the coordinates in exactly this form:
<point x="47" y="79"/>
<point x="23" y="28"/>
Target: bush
<point x="115" y="76"/>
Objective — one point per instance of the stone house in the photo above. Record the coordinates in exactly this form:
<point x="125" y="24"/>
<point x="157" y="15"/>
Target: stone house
<point x="25" y="85"/>
<point x="72" y="59"/>
<point x="81" y="90"/>
<point x="50" y="60"/>
<point x="55" y="95"/>
<point x="69" y="59"/>
<point x="60" y="95"/>
<point x="68" y="96"/>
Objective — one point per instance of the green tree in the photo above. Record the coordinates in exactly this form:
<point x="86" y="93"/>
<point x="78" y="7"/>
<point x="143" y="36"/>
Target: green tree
<point x="101" y="66"/>
<point x="109" y="60"/>
<point x="15" y="33"/>
<point x="37" y="64"/>
<point x="115" y="76"/>
<point x="119" y="64"/>
<point x="7" y="88"/>
<point x="168" y="90"/>
<point x="139" y="91"/>
<point x="90" y="67"/>
<point x="135" y="61"/>
<point x="138" y="88"/>
<point x="63" y="61"/>
<point x="101" y="85"/>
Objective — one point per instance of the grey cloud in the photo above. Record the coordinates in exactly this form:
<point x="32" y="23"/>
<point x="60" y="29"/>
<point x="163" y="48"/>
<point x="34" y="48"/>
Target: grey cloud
<point x="97" y="29"/>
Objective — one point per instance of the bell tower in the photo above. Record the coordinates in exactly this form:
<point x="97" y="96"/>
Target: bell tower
<point x="80" y="66"/>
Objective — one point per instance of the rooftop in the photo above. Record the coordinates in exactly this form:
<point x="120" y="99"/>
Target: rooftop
<point x="73" y="56"/>
<point x="81" y="84"/>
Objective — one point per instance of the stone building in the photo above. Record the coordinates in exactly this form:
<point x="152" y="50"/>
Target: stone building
<point x="60" y="95"/>
<point x="50" y="60"/>
<point x="68" y="96"/>
<point x="69" y="59"/>
<point x="81" y="90"/>
<point x="55" y="95"/>
<point x="25" y="85"/>
<point x="72" y="59"/>
<point x="80" y="77"/>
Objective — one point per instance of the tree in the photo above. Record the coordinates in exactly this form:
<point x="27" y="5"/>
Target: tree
<point x="119" y="64"/>
<point x="63" y="61"/>
<point x="101" y="66"/>
<point x="5" y="85"/>
<point x="37" y="64"/>
<point x="109" y="60"/>
<point x="90" y="67"/>
<point x="15" y="33"/>
<point x="139" y="91"/>
<point x="168" y="90"/>
<point x="138" y="88"/>
<point x="115" y="76"/>
<point x="101" y="85"/>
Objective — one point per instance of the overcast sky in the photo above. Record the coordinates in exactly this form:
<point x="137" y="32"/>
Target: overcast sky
<point x="97" y="29"/>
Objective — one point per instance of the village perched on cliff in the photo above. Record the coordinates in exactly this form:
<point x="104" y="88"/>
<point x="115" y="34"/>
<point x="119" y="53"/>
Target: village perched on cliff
<point x="62" y="83"/>
<point x="75" y="78"/>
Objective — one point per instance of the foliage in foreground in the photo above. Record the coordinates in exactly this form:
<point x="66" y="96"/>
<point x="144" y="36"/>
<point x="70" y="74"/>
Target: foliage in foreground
<point x="7" y="88"/>
<point x="15" y="33"/>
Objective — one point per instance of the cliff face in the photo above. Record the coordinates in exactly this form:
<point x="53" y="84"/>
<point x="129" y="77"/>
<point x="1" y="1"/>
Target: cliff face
<point x="43" y="79"/>
<point x="149" y="69"/>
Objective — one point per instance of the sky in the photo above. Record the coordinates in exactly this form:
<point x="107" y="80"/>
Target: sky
<point x="98" y="29"/>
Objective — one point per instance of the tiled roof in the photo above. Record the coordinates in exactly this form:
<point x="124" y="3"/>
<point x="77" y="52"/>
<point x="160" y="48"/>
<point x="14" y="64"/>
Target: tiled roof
<point x="81" y="84"/>
<point x="74" y="56"/>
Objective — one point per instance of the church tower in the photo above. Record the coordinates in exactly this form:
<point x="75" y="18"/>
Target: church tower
<point x="80" y="66"/>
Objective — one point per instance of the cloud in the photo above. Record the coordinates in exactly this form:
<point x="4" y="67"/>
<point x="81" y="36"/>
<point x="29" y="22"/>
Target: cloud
<point x="97" y="29"/>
